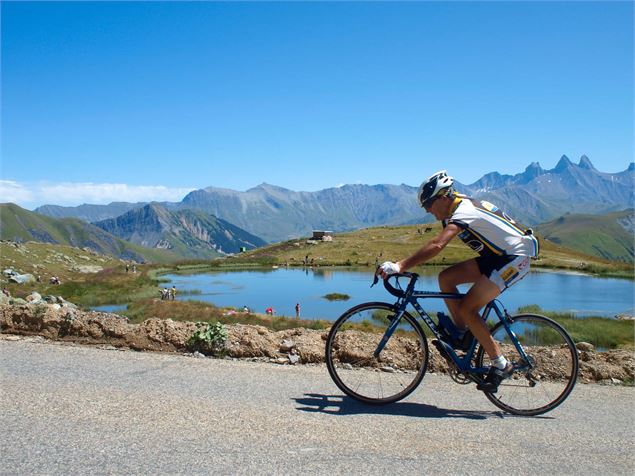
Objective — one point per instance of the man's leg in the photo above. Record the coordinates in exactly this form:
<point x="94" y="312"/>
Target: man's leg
<point x="482" y="292"/>
<point x="450" y="278"/>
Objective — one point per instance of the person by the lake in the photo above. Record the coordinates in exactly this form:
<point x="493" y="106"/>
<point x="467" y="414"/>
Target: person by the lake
<point x="504" y="250"/>
<point x="297" y="310"/>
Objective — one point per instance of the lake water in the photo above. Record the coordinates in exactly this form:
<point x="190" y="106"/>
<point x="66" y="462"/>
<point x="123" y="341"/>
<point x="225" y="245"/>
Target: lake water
<point x="114" y="308"/>
<point x="282" y="288"/>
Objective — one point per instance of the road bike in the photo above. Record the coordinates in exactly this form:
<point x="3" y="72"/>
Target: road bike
<point x="378" y="353"/>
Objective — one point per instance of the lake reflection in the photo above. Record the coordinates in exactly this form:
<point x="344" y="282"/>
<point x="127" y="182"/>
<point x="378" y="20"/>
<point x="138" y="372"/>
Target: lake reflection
<point x="282" y="288"/>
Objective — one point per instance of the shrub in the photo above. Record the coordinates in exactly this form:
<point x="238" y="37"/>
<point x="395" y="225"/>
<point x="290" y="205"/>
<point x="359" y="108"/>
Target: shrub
<point x="211" y="340"/>
<point x="337" y="297"/>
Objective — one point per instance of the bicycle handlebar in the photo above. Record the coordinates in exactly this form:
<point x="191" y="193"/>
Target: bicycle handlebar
<point x="392" y="289"/>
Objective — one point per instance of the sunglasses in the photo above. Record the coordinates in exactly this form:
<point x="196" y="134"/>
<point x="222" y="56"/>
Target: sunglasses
<point x="428" y="203"/>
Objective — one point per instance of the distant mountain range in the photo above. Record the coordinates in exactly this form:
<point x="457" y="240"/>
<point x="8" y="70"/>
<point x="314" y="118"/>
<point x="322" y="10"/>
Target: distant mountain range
<point x="538" y="195"/>
<point x="188" y="233"/>
<point x="18" y="224"/>
<point x="277" y="214"/>
<point x="150" y="233"/>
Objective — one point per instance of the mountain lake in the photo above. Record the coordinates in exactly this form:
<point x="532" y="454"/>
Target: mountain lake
<point x="281" y="288"/>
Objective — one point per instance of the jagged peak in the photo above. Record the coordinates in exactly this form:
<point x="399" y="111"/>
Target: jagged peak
<point x="534" y="166"/>
<point x="585" y="163"/>
<point x="563" y="163"/>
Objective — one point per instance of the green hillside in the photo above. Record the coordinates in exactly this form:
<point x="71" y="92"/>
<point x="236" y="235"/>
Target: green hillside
<point x="375" y="245"/>
<point x="607" y="236"/>
<point x="20" y="225"/>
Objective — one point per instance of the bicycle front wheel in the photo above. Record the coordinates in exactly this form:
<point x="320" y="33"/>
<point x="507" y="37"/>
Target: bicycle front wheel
<point x="544" y="381"/>
<point x="350" y="354"/>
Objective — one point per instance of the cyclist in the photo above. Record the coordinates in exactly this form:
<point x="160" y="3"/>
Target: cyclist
<point x="504" y="252"/>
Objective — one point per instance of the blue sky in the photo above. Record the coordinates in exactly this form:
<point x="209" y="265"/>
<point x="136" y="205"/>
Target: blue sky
<point x="126" y="101"/>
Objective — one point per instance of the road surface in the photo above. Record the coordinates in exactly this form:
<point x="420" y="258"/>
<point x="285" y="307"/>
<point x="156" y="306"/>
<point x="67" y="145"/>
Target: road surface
<point x="83" y="410"/>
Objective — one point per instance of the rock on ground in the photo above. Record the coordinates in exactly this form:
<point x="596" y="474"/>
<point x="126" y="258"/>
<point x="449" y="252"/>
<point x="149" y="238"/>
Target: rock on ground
<point x="245" y="341"/>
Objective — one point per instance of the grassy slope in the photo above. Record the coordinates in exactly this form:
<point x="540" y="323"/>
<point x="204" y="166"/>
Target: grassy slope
<point x="48" y="260"/>
<point x="24" y="225"/>
<point x="368" y="246"/>
<point x="597" y="235"/>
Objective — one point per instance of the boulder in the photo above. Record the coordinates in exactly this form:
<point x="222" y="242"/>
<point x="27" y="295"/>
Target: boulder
<point x="21" y="278"/>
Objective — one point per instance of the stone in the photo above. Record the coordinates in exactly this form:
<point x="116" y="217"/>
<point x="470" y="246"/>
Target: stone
<point x="34" y="297"/>
<point x="294" y="359"/>
<point x="287" y="345"/>
<point x="21" y="278"/>
<point x="585" y="346"/>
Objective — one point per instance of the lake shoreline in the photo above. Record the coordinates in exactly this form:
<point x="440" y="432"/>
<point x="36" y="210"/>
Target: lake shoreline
<point x="259" y="288"/>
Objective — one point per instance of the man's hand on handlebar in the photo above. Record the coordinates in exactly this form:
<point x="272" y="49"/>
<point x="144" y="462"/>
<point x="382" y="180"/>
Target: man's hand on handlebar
<point x="387" y="269"/>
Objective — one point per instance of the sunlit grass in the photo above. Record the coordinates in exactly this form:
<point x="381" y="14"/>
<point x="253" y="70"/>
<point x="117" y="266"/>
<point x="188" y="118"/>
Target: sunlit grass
<point x="601" y="332"/>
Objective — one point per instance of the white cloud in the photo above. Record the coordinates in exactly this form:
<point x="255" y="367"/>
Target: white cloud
<point x="31" y="195"/>
<point x="14" y="192"/>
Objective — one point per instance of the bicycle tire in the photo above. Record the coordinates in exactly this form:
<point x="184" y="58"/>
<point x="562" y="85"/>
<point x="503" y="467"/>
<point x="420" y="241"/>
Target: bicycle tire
<point x="554" y="371"/>
<point x="349" y="350"/>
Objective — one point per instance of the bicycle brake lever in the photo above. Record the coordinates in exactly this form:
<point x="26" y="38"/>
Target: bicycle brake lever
<point x="376" y="277"/>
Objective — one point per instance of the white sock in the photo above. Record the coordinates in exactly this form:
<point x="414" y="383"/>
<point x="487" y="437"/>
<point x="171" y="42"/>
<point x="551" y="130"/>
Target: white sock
<point x="500" y="362"/>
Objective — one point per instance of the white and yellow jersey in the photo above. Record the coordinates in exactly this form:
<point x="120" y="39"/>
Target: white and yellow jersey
<point x="486" y="229"/>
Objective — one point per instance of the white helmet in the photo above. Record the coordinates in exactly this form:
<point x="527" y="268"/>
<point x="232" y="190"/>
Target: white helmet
<point x="438" y="184"/>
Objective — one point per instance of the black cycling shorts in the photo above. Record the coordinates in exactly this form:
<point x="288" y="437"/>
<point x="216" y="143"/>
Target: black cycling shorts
<point x="503" y="270"/>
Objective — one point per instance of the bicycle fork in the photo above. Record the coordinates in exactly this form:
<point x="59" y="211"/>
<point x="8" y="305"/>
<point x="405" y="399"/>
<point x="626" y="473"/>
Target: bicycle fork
<point x="392" y="327"/>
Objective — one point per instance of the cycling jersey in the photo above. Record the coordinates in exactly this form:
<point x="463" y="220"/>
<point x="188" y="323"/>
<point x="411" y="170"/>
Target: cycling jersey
<point x="488" y="230"/>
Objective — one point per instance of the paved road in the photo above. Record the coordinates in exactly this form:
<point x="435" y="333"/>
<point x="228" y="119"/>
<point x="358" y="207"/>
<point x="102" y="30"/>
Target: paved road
<point x="81" y="410"/>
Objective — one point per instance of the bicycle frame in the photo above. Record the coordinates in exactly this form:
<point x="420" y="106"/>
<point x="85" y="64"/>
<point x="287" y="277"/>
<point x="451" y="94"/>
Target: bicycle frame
<point x="411" y="297"/>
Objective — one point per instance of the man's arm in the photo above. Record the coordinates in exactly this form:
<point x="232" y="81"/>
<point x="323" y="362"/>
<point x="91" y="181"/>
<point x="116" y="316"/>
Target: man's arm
<point x="431" y="248"/>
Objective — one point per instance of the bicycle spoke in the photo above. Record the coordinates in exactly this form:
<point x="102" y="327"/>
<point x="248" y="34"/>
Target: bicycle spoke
<point x="554" y="371"/>
<point x="352" y="343"/>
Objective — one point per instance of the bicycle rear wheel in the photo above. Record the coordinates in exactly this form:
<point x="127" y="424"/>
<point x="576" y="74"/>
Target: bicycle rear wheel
<point x="350" y="359"/>
<point x="543" y="383"/>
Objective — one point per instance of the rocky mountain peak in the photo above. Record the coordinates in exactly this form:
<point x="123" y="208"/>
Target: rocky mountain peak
<point x="532" y="171"/>
<point x="585" y="163"/>
<point x="563" y="163"/>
